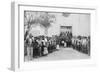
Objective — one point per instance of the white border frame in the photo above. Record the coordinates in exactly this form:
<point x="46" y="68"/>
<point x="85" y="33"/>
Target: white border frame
<point x="17" y="59"/>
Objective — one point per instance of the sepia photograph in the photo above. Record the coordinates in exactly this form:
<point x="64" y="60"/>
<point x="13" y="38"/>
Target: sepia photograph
<point x="56" y="36"/>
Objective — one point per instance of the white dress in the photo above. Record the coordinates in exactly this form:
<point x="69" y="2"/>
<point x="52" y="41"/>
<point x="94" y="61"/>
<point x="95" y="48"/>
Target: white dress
<point x="57" y="47"/>
<point x="45" y="51"/>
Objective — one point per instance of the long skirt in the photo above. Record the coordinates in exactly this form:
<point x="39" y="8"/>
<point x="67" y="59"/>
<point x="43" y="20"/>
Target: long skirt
<point x="29" y="53"/>
<point x="57" y="47"/>
<point x="45" y="52"/>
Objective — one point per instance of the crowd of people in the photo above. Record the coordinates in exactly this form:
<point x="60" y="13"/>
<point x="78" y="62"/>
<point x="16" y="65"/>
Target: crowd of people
<point x="65" y="39"/>
<point x="39" y="46"/>
<point x="81" y="44"/>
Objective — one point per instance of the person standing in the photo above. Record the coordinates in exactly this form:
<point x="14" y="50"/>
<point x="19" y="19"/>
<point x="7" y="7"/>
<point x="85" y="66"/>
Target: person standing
<point x="29" y="48"/>
<point x="35" y="48"/>
<point x="57" y="47"/>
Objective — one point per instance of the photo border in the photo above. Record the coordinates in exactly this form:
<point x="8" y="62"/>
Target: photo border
<point x="15" y="51"/>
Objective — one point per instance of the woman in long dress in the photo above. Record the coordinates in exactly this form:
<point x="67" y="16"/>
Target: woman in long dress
<point x="29" y="48"/>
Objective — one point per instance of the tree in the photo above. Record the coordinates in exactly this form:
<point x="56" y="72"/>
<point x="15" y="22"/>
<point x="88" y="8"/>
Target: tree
<point x="43" y="18"/>
<point x="46" y="20"/>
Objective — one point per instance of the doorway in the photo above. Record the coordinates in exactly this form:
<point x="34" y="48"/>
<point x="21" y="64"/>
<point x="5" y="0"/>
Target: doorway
<point x="66" y="36"/>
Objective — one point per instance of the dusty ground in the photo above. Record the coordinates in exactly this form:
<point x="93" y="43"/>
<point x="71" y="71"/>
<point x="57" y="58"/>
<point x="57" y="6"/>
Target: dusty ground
<point x="62" y="54"/>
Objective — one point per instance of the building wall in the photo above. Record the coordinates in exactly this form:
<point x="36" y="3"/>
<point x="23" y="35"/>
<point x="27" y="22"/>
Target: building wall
<point x="80" y="24"/>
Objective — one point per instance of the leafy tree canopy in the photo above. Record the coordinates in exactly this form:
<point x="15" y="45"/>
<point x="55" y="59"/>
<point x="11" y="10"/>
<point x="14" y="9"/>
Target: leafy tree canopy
<point x="43" y="18"/>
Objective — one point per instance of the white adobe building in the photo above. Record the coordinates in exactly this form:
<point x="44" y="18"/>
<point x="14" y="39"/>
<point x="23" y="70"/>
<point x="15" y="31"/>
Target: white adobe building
<point x="80" y="25"/>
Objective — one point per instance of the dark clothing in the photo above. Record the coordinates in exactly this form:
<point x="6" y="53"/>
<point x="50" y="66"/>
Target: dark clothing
<point x="35" y="48"/>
